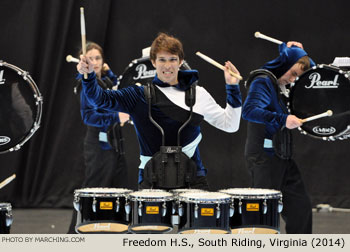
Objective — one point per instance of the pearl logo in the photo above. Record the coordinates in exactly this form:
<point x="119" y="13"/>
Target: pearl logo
<point x="4" y="140"/>
<point x="2" y="81"/>
<point x="143" y="73"/>
<point x="324" y="131"/>
<point x="316" y="81"/>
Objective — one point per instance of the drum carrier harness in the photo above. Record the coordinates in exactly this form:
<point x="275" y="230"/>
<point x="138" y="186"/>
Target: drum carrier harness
<point x="170" y="167"/>
<point x="282" y="139"/>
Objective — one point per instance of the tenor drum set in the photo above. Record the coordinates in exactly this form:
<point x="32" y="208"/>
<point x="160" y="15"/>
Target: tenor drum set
<point x="186" y="211"/>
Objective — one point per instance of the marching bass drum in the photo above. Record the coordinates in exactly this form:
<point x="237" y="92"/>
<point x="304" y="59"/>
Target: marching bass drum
<point x="20" y="107"/>
<point x="318" y="90"/>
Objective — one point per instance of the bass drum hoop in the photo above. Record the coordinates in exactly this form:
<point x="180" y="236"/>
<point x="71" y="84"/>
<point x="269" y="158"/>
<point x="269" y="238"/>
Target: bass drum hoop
<point x="38" y="102"/>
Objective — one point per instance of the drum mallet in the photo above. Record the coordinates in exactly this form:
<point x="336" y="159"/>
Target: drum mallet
<point x="262" y="36"/>
<point x="327" y="113"/>
<point x="218" y="65"/>
<point x="83" y="34"/>
<point x="8" y="180"/>
<point x="70" y="58"/>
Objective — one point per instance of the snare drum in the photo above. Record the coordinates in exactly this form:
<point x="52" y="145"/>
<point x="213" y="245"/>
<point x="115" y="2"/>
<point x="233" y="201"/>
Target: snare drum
<point x="151" y="211"/>
<point x="204" y="212"/>
<point x="317" y="90"/>
<point x="5" y="218"/>
<point x="256" y="211"/>
<point x="20" y="107"/>
<point x="102" y="210"/>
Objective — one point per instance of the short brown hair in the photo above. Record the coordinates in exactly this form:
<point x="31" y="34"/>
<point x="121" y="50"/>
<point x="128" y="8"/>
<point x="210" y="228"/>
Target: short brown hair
<point x="165" y="42"/>
<point x="304" y="62"/>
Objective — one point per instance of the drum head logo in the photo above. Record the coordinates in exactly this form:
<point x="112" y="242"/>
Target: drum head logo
<point x="316" y="82"/>
<point x="142" y="72"/>
<point x="324" y="131"/>
<point x="2" y="81"/>
<point x="4" y="140"/>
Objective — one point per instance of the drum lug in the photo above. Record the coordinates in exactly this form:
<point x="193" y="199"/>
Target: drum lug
<point x="140" y="209"/>
<point x="218" y="212"/>
<point x="264" y="207"/>
<point x="181" y="210"/>
<point x="127" y="209"/>
<point x="240" y="206"/>
<point x="117" y="205"/>
<point x="173" y="208"/>
<point x="232" y="209"/>
<point x="196" y="211"/>
<point x="164" y="209"/>
<point x="280" y="206"/>
<point x="76" y="203"/>
<point x="9" y="219"/>
<point x="94" y="202"/>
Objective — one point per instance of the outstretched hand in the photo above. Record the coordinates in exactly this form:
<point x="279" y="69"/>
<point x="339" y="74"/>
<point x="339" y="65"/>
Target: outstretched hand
<point x="295" y="43"/>
<point x="85" y="65"/>
<point x="228" y="77"/>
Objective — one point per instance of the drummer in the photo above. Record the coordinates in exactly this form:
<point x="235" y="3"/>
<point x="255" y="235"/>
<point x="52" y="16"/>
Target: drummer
<point x="169" y="110"/>
<point x="268" y="149"/>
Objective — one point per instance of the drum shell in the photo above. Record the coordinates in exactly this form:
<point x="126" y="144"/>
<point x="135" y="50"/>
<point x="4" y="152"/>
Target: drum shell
<point x="253" y="218"/>
<point x="188" y="220"/>
<point x="5" y="218"/>
<point x="150" y="220"/>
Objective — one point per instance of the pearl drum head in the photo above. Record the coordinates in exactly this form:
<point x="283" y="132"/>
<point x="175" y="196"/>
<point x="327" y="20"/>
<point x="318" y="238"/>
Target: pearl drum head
<point x="316" y="91"/>
<point x="5" y="218"/>
<point x="20" y="107"/>
<point x="204" y="212"/>
<point x="255" y="210"/>
<point x="151" y="211"/>
<point x="102" y="210"/>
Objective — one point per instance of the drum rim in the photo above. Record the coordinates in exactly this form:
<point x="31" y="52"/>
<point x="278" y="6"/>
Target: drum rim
<point x="38" y="102"/>
<point x="151" y="198"/>
<point x="191" y="198"/>
<point x="124" y="192"/>
<point x="5" y="206"/>
<point x="273" y="195"/>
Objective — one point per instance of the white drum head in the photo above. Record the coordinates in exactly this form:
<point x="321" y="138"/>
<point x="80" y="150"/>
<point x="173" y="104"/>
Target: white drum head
<point x="204" y="197"/>
<point x="151" y="195"/>
<point x="101" y="192"/>
<point x="253" y="193"/>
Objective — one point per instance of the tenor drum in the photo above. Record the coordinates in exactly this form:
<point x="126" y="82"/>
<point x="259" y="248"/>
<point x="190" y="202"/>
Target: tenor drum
<point x="102" y="210"/>
<point x="204" y="212"/>
<point x="255" y="210"/>
<point x="317" y="90"/>
<point x="151" y="211"/>
<point x="5" y="218"/>
<point x="20" y="107"/>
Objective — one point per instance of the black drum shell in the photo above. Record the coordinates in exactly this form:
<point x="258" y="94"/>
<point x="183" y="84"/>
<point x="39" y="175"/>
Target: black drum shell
<point x="188" y="221"/>
<point x="150" y="220"/>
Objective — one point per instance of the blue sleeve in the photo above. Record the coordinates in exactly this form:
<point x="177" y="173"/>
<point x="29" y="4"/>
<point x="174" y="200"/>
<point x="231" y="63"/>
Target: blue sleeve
<point x="123" y="100"/>
<point x="112" y="76"/>
<point x="95" y="117"/>
<point x="233" y="95"/>
<point x="259" y="106"/>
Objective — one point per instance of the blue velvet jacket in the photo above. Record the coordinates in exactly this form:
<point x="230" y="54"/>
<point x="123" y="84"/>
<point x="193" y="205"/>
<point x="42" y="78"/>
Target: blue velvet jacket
<point x="96" y="117"/>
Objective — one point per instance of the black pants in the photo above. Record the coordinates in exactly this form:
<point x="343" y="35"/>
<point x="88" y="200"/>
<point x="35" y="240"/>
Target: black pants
<point x="200" y="183"/>
<point x="103" y="168"/>
<point x="283" y="175"/>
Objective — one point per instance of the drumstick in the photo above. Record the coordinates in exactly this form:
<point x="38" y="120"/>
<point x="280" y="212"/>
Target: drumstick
<point x="262" y="36"/>
<point x="8" y="180"/>
<point x="327" y="113"/>
<point x="213" y="62"/>
<point x="83" y="34"/>
<point x="70" y="58"/>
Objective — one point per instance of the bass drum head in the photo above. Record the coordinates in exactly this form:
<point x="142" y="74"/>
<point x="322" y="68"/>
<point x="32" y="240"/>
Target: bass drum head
<point x="316" y="91"/>
<point x="20" y="107"/>
<point x="140" y="72"/>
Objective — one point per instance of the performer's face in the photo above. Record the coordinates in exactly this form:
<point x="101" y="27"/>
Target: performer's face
<point x="167" y="66"/>
<point x="291" y="74"/>
<point x="96" y="59"/>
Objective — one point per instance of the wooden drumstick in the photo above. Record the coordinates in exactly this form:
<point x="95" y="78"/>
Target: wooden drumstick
<point x="327" y="113"/>
<point x="262" y="36"/>
<point x="8" y="180"/>
<point x="83" y="34"/>
<point x="70" y="58"/>
<point x="218" y="65"/>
